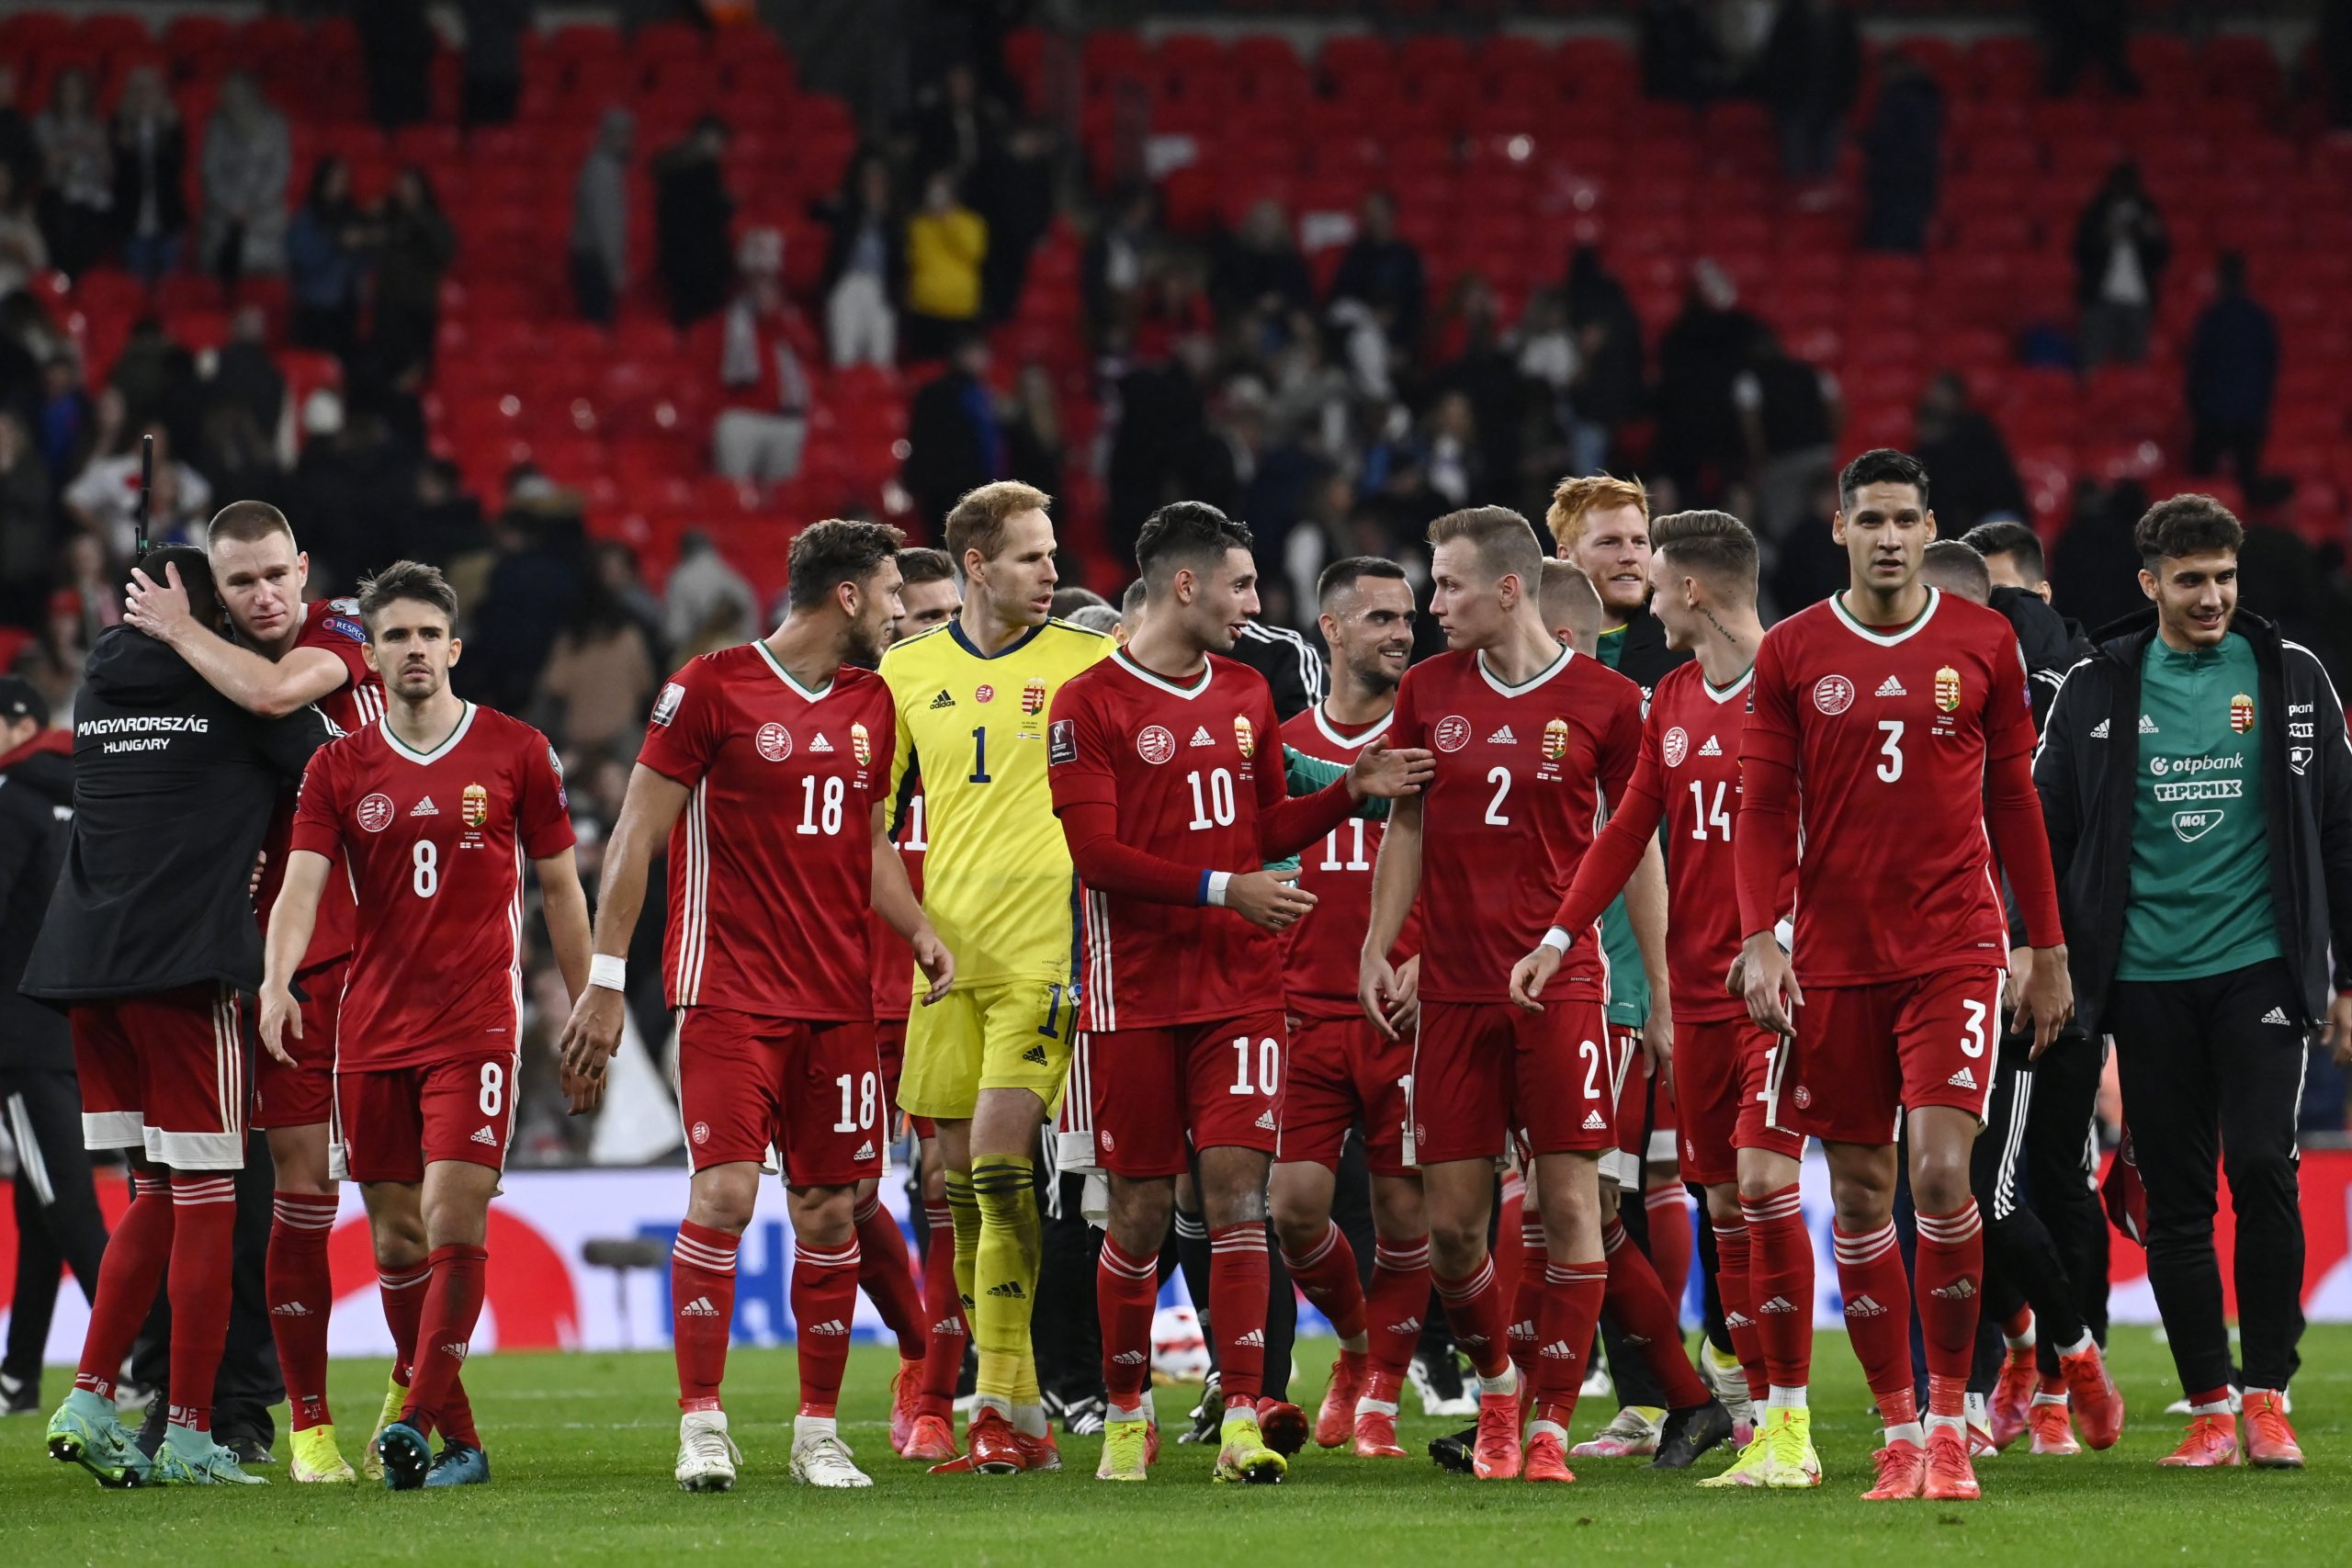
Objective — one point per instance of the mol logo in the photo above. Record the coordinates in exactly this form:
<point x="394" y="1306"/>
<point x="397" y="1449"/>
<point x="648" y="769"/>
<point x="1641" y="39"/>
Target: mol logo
<point x="2191" y="825"/>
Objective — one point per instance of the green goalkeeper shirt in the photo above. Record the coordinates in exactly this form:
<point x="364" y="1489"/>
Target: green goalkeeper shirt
<point x="1629" y="983"/>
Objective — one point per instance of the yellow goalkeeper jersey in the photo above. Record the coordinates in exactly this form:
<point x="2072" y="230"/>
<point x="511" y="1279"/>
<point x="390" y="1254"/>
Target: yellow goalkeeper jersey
<point x="998" y="883"/>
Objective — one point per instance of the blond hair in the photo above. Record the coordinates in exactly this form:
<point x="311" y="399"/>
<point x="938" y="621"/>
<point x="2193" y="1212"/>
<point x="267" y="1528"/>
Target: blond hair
<point x="1570" y="603"/>
<point x="1504" y="541"/>
<point x="976" y="520"/>
<point x="1574" y="500"/>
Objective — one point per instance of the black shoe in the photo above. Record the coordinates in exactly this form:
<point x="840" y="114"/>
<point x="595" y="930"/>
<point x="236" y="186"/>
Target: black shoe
<point x="151" y="1430"/>
<point x="1453" y="1453"/>
<point x="1083" y="1417"/>
<point x="1208" y="1416"/>
<point x="249" y="1449"/>
<point x="968" y="1376"/>
<point x="19" y="1396"/>
<point x="1690" y="1432"/>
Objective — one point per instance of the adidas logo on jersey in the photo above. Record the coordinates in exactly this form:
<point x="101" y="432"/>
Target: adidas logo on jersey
<point x="1034" y="1056"/>
<point x="1593" y="1122"/>
<point x="821" y="744"/>
<point x="1710" y="749"/>
<point x="1777" y="1304"/>
<point x="2147" y="725"/>
<point x="942" y="701"/>
<point x="289" y="1309"/>
<point x="1958" y="1291"/>
<point x="1265" y="1123"/>
<point x="1128" y="1358"/>
<point x="485" y="1137"/>
<point x="830" y="1325"/>
<point x="1253" y="1340"/>
<point x="1502" y="737"/>
<point x="864" y="1150"/>
<point x="2099" y="730"/>
<point x="1202" y="737"/>
<point x="424" y="809"/>
<point x="1010" y="1291"/>
<point x="698" y="1307"/>
<point x="1862" y="1307"/>
<point x="1890" y="687"/>
<point x="1961" y="1080"/>
<point x="2275" y="1015"/>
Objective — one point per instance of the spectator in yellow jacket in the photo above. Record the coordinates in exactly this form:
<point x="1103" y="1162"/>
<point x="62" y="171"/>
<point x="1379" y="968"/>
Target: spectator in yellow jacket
<point x="946" y="241"/>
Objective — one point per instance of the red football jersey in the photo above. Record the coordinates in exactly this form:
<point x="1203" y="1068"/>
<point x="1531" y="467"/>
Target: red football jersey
<point x="772" y="861"/>
<point x="1522" y="775"/>
<point x="334" y="624"/>
<point x="894" y="961"/>
<point x="1188" y="768"/>
<point x="1689" y="771"/>
<point x="436" y="842"/>
<point x="1889" y="730"/>
<point x="1319" y="953"/>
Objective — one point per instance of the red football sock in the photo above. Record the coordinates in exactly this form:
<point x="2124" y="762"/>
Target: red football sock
<point x="1732" y="1268"/>
<point x="204" y="1228"/>
<point x="1878" y="1317"/>
<point x="1126" y="1289"/>
<point x="1637" y="1305"/>
<point x="1572" y="1297"/>
<point x="1239" y="1283"/>
<point x="824" y="1297"/>
<point x="445" y="1334"/>
<point x="1328" y="1275"/>
<point x="300" y="1297"/>
<point x="1780" y="1274"/>
<point x="1671" y="1240"/>
<point x="1950" y="1290"/>
<point x="129" y="1274"/>
<point x="1393" y="1304"/>
<point x="702" y="1304"/>
<point x="942" y="1356"/>
<point x="888" y="1278"/>
<point x="1511" y="1267"/>
<point x="1475" y="1310"/>
<point x="1527" y="1301"/>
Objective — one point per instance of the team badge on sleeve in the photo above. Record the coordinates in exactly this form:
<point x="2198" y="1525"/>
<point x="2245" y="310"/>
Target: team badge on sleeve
<point x="2241" y="713"/>
<point x="1948" y="688"/>
<point x="1556" y="739"/>
<point x="555" y="764"/>
<point x="665" y="706"/>
<point x="1245" y="737"/>
<point x="475" y="806"/>
<point x="1033" y="696"/>
<point x="861" y="745"/>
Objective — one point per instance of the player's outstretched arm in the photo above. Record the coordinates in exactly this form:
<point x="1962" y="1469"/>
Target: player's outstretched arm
<point x="648" y="811"/>
<point x="564" y="904"/>
<point x="291" y="921"/>
<point x="245" y="677"/>
<point x="894" y="899"/>
<point x="1396" y="880"/>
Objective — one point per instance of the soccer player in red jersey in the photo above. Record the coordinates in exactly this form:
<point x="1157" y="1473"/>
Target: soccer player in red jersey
<point x="1875" y="713"/>
<point x="922" y="1405"/>
<point x="434" y="808"/>
<point x="287" y="654"/>
<point x="1167" y="770"/>
<point x="1705" y="572"/>
<point x="1530" y="737"/>
<point x="767" y="767"/>
<point x="1340" y="1072"/>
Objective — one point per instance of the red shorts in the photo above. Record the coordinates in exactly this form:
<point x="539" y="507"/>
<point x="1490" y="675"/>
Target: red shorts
<point x="1866" y="1053"/>
<point x="304" y="1093"/>
<point x="890" y="1045"/>
<point x="1343" y="1073"/>
<point x="1646" y="1114"/>
<point x="1160" y="1093"/>
<point x="392" y="1123"/>
<point x="165" y="1073"/>
<point x="1721" y="1068"/>
<point x="809" y="1090"/>
<point x="1485" y="1072"/>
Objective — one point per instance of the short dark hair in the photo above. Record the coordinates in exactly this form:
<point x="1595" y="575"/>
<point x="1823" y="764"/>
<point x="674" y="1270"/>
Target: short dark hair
<point x="1068" y="601"/>
<point x="826" y="555"/>
<point x="1714" y="545"/>
<point x="977" y="520"/>
<point x="918" y="563"/>
<point x="1957" y="565"/>
<point x="406" y="579"/>
<point x="1882" y="466"/>
<point x="2190" y="524"/>
<point x="1131" y="602"/>
<point x="196" y="576"/>
<point x="2008" y="538"/>
<point x="1505" y="542"/>
<point x="1349" y="571"/>
<point x="247" y="522"/>
<point x="1187" y="533"/>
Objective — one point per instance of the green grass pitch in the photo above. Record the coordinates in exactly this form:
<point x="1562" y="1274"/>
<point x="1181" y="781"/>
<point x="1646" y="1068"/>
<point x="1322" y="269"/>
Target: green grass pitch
<point x="583" y="1445"/>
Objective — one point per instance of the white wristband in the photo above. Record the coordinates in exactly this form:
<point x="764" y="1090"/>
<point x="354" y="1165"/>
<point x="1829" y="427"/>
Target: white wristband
<point x="1557" y="939"/>
<point x="609" y="972"/>
<point x="1218" y="882"/>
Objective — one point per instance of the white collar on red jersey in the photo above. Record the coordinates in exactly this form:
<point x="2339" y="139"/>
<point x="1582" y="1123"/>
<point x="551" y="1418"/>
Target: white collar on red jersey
<point x="402" y="749"/>
<point x="1361" y="737"/>
<point x="1508" y="690"/>
<point x="1726" y="694"/>
<point x="786" y="675"/>
<point x="1884" y="639"/>
<point x="1129" y="662"/>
